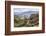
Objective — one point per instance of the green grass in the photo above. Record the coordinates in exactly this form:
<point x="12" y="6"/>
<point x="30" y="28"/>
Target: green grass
<point x="18" y="22"/>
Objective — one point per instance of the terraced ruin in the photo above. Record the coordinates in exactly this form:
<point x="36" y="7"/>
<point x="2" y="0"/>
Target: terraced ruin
<point x="25" y="21"/>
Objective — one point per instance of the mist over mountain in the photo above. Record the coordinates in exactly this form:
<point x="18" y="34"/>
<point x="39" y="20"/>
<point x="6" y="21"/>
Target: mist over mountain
<point x="28" y="13"/>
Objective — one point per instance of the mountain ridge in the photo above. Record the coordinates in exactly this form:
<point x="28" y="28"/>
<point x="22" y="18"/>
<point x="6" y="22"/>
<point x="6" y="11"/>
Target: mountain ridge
<point x="26" y="13"/>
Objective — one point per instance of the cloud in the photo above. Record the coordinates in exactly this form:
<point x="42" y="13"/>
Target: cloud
<point x="20" y="10"/>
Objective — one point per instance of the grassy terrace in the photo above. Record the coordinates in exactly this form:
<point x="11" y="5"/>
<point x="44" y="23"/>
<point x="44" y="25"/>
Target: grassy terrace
<point x="32" y="21"/>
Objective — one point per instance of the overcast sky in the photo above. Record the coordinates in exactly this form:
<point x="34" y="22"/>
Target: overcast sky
<point x="25" y="9"/>
<point x="20" y="10"/>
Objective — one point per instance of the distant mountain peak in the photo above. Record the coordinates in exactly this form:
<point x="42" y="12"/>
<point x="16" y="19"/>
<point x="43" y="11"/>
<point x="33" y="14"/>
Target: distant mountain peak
<point x="26" y="13"/>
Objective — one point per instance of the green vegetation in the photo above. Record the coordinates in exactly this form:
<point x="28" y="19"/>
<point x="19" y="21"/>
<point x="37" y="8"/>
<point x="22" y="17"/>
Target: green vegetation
<point x="33" y="20"/>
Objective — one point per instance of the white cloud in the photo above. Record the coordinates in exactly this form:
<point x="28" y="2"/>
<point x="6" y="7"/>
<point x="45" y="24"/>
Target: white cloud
<point x="25" y="9"/>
